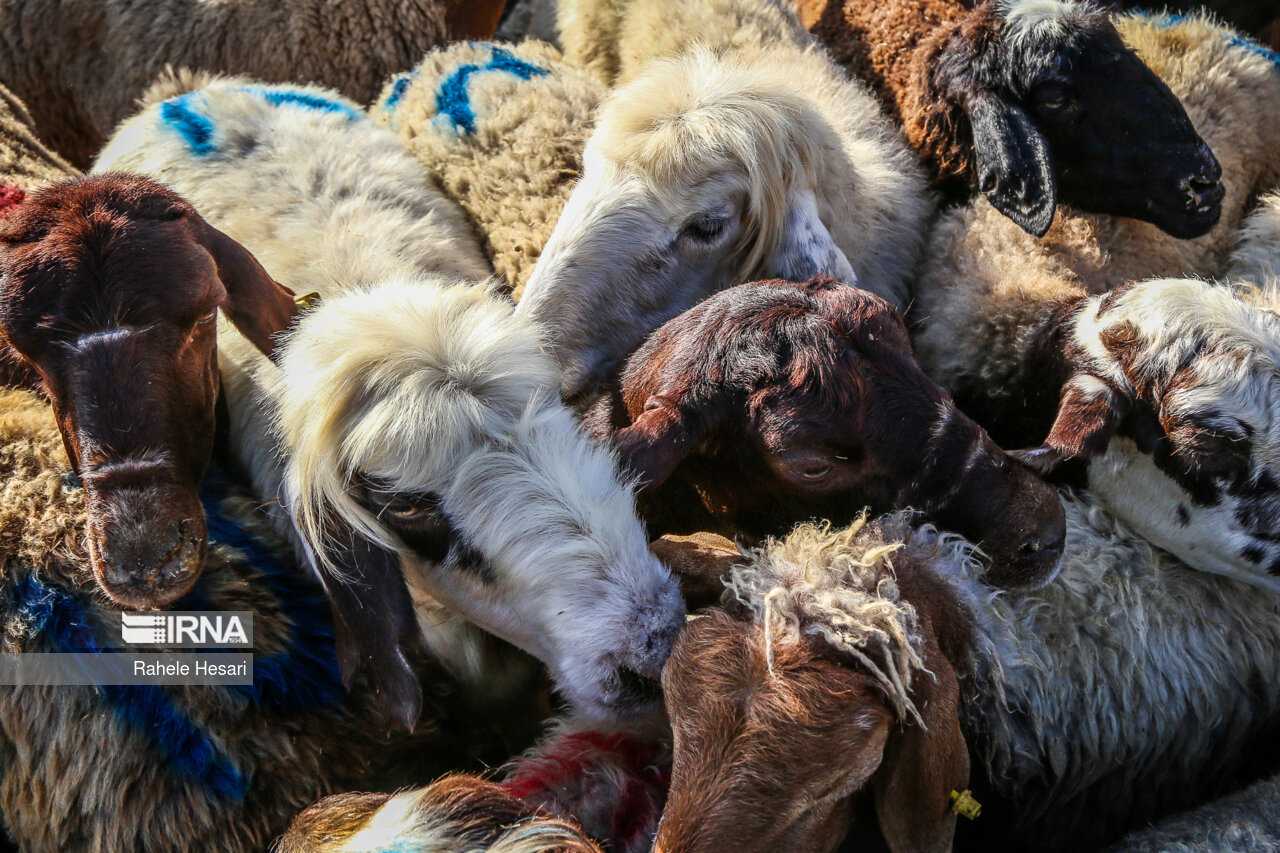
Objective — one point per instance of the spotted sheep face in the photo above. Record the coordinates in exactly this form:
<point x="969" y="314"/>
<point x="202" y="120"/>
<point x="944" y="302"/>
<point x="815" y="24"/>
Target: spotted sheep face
<point x="1174" y="399"/>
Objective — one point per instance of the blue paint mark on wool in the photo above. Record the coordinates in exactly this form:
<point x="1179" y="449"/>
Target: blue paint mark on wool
<point x="399" y="88"/>
<point x="454" y="101"/>
<point x="1165" y="20"/>
<point x="305" y="675"/>
<point x="279" y="97"/>
<point x="186" y="114"/>
<point x="151" y="711"/>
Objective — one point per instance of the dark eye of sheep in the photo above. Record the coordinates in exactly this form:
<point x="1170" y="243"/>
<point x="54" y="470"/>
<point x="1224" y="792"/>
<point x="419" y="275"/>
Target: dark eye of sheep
<point x="1052" y="100"/>
<point x="704" y="229"/>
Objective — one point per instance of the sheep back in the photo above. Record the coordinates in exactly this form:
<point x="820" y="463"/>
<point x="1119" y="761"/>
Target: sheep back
<point x="1247" y="821"/>
<point x="501" y="128"/>
<point x="80" y="66"/>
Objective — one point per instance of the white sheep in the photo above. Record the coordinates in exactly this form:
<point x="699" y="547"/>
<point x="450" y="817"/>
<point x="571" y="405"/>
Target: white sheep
<point x="1020" y="330"/>
<point x="418" y="445"/>
<point x="81" y="68"/>
<point x="748" y="156"/>
<point x="26" y="163"/>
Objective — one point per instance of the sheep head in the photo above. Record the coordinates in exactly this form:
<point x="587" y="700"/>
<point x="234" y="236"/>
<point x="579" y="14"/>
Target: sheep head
<point x="427" y="451"/>
<point x="701" y="173"/>
<point x="1032" y="102"/>
<point x="110" y="287"/>
<point x="772" y="402"/>
<point x="1171" y="395"/>
<point x="828" y="673"/>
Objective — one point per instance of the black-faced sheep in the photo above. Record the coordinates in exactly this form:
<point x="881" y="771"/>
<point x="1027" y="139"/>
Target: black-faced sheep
<point x="747" y="156"/>
<point x="1129" y="688"/>
<point x="418" y="445"/>
<point x="501" y="128"/>
<point x="157" y="768"/>
<point x="1029" y="102"/>
<point x="81" y="68"/>
<point x="1021" y="330"/>
<point x="772" y="402"/>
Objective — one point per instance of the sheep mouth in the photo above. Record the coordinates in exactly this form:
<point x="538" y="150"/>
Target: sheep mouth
<point x="1190" y="215"/>
<point x="631" y="693"/>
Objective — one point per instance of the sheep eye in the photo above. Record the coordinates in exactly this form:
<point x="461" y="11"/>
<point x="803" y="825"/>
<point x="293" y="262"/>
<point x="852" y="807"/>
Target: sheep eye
<point x="1053" y="100"/>
<point x="815" y="472"/>
<point x="704" y="229"/>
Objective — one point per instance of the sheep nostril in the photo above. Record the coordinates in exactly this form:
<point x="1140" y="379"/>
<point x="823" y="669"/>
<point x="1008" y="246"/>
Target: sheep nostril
<point x="1031" y="546"/>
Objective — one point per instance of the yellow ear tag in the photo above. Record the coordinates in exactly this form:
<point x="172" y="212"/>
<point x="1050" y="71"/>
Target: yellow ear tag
<point x="307" y="301"/>
<point x="963" y="804"/>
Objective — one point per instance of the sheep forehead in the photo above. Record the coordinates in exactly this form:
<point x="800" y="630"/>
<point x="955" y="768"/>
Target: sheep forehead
<point x="1034" y="20"/>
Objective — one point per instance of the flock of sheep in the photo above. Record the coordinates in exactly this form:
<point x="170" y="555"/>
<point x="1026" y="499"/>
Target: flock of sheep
<point x="628" y="414"/>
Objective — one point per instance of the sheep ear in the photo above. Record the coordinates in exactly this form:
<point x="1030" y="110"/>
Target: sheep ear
<point x="806" y="248"/>
<point x="655" y="443"/>
<point x="1089" y="413"/>
<point x="374" y="620"/>
<point x="1015" y="168"/>
<point x="923" y="764"/>
<point x="257" y="304"/>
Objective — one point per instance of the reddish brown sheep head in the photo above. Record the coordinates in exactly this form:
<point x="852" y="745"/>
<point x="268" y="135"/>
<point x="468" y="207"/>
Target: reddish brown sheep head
<point x="773" y="402"/>
<point x="109" y="291"/>
<point x="827" y="674"/>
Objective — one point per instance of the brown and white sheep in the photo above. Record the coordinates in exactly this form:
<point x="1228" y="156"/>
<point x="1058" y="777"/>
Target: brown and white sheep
<point x="1029" y="102"/>
<point x="81" y="68"/>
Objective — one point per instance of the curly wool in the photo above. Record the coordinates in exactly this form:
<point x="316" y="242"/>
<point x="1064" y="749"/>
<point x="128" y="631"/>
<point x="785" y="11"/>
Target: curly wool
<point x="840" y="586"/>
<point x="501" y="128"/>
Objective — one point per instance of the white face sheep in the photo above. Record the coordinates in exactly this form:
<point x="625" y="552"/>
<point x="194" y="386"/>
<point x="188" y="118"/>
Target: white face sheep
<point x="1029" y="102"/>
<point x="417" y="424"/>
<point x="713" y="169"/>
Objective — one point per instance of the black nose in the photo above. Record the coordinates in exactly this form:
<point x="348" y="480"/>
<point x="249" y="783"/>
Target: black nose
<point x="1202" y="192"/>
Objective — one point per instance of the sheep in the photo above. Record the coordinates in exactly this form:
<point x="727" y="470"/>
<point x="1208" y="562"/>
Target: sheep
<point x="773" y="402"/>
<point x="501" y="128"/>
<point x="411" y="435"/>
<point x="1247" y="821"/>
<point x="718" y="166"/>
<point x="1130" y="687"/>
<point x="1037" y="337"/>
<point x="179" y="768"/>
<point x="456" y="813"/>
<point x="81" y="69"/>
<point x="1029" y="102"/>
<point x="109" y="290"/>
<point x="26" y="163"/>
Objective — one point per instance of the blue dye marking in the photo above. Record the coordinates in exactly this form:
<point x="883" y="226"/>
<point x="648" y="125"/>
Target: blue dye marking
<point x="303" y="676"/>
<point x="1165" y="20"/>
<point x="398" y="89"/>
<point x="185" y="115"/>
<point x="1253" y="47"/>
<point x="294" y="98"/>
<point x="63" y="620"/>
<point x="453" y="100"/>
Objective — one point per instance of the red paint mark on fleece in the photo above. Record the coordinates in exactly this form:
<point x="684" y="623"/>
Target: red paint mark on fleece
<point x="10" y="198"/>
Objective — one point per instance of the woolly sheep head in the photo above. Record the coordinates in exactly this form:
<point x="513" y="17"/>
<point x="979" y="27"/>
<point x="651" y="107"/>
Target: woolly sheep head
<point x="701" y="173"/>
<point x="1173" y="396"/>
<point x="424" y="437"/>
<point x="1059" y="108"/>
<point x="828" y="671"/>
